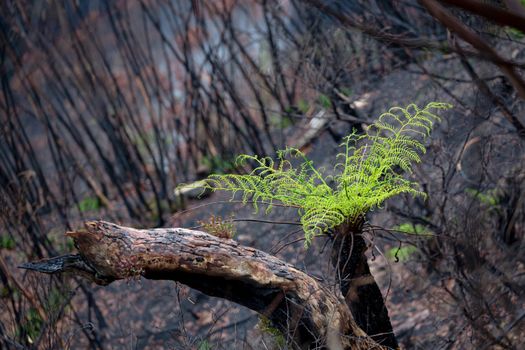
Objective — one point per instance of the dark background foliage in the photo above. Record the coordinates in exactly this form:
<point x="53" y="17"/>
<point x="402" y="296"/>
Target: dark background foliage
<point x="106" y="106"/>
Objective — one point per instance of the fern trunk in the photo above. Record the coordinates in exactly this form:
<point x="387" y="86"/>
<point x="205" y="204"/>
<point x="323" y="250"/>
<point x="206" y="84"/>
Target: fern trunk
<point x="358" y="285"/>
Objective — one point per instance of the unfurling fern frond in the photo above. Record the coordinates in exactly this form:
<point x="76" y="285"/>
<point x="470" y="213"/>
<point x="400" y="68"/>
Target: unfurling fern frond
<point x="369" y="170"/>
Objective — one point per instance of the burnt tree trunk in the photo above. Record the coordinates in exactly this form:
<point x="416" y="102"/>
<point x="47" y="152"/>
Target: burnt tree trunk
<point x="312" y="314"/>
<point x="358" y="286"/>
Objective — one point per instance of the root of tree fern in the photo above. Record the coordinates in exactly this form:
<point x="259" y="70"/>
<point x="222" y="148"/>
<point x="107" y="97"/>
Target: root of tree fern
<point x="314" y="315"/>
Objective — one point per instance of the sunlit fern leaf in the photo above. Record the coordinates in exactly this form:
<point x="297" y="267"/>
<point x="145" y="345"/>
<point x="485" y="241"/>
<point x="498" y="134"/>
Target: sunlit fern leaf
<point x="368" y="171"/>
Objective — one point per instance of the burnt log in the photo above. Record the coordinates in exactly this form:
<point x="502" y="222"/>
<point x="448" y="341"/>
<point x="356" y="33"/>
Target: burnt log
<point x="314" y="315"/>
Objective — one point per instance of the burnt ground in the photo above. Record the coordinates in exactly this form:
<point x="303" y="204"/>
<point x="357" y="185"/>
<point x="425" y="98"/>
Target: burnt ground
<point x="142" y="314"/>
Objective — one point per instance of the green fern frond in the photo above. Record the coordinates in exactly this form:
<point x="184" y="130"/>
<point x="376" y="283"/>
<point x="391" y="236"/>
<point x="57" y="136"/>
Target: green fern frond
<point x="368" y="171"/>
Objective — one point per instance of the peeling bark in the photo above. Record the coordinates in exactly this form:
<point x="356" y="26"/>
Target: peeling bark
<point x="313" y="315"/>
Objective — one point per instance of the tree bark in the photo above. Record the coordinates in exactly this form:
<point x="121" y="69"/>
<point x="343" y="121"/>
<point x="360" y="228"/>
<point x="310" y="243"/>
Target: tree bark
<point x="309" y="313"/>
<point x="358" y="285"/>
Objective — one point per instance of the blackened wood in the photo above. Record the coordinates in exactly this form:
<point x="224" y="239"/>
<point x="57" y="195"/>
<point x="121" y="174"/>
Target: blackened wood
<point x="358" y="285"/>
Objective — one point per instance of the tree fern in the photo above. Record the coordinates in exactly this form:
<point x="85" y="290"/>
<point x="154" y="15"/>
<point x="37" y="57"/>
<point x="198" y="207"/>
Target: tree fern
<point x="368" y="171"/>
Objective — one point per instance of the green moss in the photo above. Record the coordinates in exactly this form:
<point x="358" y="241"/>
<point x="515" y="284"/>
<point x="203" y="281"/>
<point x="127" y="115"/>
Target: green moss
<point x="89" y="204"/>
<point x="286" y="122"/>
<point x="488" y="197"/>
<point x="303" y="106"/>
<point x="282" y="121"/>
<point x="218" y="164"/>
<point x="515" y="33"/>
<point x="70" y="244"/>
<point x="324" y="101"/>
<point x="346" y="91"/>
<point x="412" y="229"/>
<point x="7" y="242"/>
<point x="4" y="292"/>
<point x="31" y="326"/>
<point x="54" y="301"/>
<point x="401" y="253"/>
<point x="266" y="326"/>
<point x="204" y="345"/>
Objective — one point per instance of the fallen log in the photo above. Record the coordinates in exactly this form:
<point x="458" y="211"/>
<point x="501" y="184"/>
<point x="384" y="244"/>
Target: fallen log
<point x="312" y="315"/>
